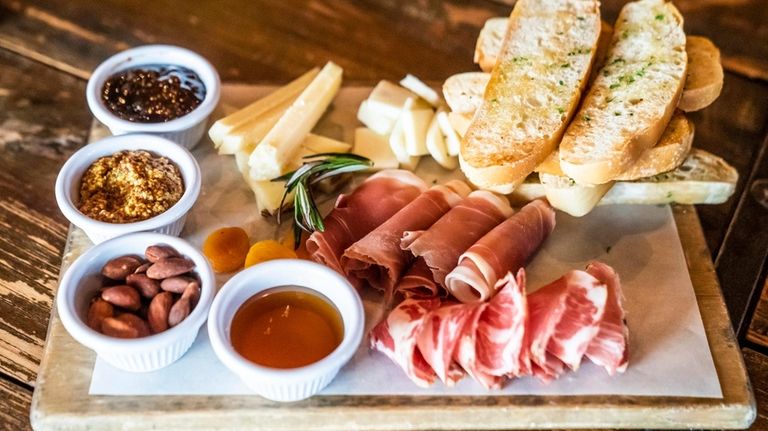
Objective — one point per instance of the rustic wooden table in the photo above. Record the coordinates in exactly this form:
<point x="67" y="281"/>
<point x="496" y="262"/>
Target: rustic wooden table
<point x="48" y="49"/>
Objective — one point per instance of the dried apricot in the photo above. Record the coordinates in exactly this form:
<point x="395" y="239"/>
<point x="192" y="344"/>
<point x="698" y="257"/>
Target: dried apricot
<point x="266" y="250"/>
<point x="226" y="248"/>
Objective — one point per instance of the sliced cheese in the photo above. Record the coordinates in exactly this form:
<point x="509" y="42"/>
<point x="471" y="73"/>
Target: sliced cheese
<point x="452" y="139"/>
<point x="375" y="147"/>
<point x="318" y="144"/>
<point x="227" y="124"/>
<point x="460" y="122"/>
<point x="437" y="146"/>
<point x="415" y="122"/>
<point x="282" y="142"/>
<point x="246" y="136"/>
<point x="397" y="144"/>
<point x="575" y="199"/>
<point x="421" y="89"/>
<point x="375" y="120"/>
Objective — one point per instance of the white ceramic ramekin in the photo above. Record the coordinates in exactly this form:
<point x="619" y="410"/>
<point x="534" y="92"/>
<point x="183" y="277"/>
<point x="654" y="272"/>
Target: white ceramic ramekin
<point x="170" y="222"/>
<point x="185" y="130"/>
<point x="82" y="281"/>
<point x="295" y="383"/>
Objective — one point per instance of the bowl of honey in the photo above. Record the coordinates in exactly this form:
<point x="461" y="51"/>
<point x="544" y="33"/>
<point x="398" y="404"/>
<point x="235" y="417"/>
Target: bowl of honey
<point x="286" y="327"/>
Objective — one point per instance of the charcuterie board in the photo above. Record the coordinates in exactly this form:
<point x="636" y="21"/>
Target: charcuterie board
<point x="62" y="399"/>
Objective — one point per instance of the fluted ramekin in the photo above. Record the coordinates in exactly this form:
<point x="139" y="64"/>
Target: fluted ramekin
<point x="169" y="222"/>
<point x="185" y="130"/>
<point x="81" y="282"/>
<point x="291" y="384"/>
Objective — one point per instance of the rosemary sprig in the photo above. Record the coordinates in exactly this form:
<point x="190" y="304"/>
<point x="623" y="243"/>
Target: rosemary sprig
<point x="316" y="167"/>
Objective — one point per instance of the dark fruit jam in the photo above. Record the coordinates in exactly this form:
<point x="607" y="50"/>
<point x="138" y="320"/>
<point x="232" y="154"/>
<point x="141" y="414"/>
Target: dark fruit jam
<point x="153" y="93"/>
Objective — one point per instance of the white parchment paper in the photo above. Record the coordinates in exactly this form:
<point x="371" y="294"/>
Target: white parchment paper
<point x="669" y="354"/>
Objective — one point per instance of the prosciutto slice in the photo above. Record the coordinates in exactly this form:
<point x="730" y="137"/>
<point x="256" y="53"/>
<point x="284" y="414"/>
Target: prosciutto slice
<point x="377" y="258"/>
<point x="506" y="248"/>
<point x="439" y="337"/>
<point x="355" y="214"/>
<point x="396" y="335"/>
<point x="501" y="343"/>
<point x="418" y="281"/>
<point x="441" y="245"/>
<point x="564" y="318"/>
<point x="609" y="347"/>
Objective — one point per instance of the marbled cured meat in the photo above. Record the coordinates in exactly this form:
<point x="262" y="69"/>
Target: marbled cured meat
<point x="439" y="337"/>
<point x="396" y="335"/>
<point x="609" y="347"/>
<point x="507" y="247"/>
<point x="465" y="353"/>
<point x="443" y="243"/>
<point x="377" y="258"/>
<point x="355" y="214"/>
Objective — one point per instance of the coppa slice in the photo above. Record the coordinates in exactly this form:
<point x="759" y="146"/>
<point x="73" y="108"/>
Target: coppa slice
<point x="609" y="347"/>
<point x="633" y="97"/>
<point x="533" y="91"/>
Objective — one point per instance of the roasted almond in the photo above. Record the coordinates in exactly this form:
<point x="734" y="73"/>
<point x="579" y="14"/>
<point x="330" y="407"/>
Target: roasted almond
<point x="179" y="311"/>
<point x="143" y="268"/>
<point x="123" y="296"/>
<point x="159" y="310"/>
<point x="176" y="284"/>
<point x="98" y="311"/>
<point x="135" y="322"/>
<point x="114" y="327"/>
<point x="170" y="267"/>
<point x="146" y="286"/>
<point x="119" y="267"/>
<point x="155" y="253"/>
<point x="192" y="293"/>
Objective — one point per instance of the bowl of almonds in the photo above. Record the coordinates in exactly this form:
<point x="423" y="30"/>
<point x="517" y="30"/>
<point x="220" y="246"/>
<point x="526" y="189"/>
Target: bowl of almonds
<point x="137" y="300"/>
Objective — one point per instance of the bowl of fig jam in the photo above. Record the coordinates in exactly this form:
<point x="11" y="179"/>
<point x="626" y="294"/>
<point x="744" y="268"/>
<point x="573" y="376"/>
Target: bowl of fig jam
<point x="286" y="327"/>
<point x="157" y="89"/>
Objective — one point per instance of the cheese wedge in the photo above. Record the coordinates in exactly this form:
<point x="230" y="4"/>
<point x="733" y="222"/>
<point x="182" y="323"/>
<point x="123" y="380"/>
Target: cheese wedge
<point x="422" y="90"/>
<point x="397" y="145"/>
<point x="247" y="135"/>
<point x="375" y="120"/>
<point x="317" y="144"/>
<point x="452" y="139"/>
<point x="279" y="146"/>
<point x="382" y="108"/>
<point x="633" y="97"/>
<point x="375" y="147"/>
<point x="415" y="122"/>
<point x="534" y="89"/>
<point x="437" y="146"/>
<point x="226" y="125"/>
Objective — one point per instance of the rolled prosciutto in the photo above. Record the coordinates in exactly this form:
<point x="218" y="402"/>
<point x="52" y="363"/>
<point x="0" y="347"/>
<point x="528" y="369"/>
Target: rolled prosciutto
<point x="356" y="214"/>
<point x="441" y="245"/>
<point x="419" y="283"/>
<point x="506" y="248"/>
<point x="377" y="258"/>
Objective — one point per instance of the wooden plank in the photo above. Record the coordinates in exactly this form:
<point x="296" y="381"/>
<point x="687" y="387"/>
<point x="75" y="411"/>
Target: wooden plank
<point x="42" y="120"/>
<point x="757" y="364"/>
<point x="758" y="328"/>
<point x="14" y="409"/>
<point x="61" y="399"/>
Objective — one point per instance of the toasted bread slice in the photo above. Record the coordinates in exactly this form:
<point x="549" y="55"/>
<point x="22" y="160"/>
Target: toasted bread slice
<point x="533" y="91"/>
<point x="705" y="74"/>
<point x="634" y="96"/>
<point x="567" y="196"/>
<point x="703" y="178"/>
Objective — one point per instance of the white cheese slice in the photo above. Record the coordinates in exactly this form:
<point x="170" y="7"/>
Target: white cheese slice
<point x="415" y="122"/>
<point x="397" y="144"/>
<point x="246" y="136"/>
<point x="375" y="120"/>
<point x="290" y="91"/>
<point x="317" y="144"/>
<point x="437" y="146"/>
<point x="375" y="147"/>
<point x="460" y="122"/>
<point x="452" y="139"/>
<point x="421" y="89"/>
<point x="282" y="142"/>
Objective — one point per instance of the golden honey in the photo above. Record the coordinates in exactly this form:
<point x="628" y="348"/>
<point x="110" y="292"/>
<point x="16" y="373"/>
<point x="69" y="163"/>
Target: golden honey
<point x="286" y="327"/>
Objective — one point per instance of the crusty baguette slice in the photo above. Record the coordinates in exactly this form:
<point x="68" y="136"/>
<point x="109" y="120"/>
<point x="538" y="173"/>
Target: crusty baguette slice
<point x="667" y="154"/>
<point x="702" y="179"/>
<point x="705" y="74"/>
<point x="533" y="91"/>
<point x="633" y="97"/>
<point x="464" y="91"/>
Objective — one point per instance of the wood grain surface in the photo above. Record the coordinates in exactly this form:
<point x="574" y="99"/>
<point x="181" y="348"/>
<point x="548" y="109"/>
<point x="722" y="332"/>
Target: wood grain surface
<point x="758" y="327"/>
<point x="47" y="49"/>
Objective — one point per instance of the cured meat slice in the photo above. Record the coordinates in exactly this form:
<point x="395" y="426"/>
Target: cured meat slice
<point x="396" y="335"/>
<point x="443" y="243"/>
<point x="355" y="214"/>
<point x="439" y="337"/>
<point x="564" y="318"/>
<point x="609" y="347"/>
<point x="507" y="247"/>
<point x="466" y="352"/>
<point x="418" y="283"/>
<point x="501" y="345"/>
<point x="377" y="258"/>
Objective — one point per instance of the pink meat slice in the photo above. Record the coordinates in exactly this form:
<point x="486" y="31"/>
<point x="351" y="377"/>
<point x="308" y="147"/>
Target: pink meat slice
<point x="396" y="336"/>
<point x="466" y="352"/>
<point x="506" y="248"/>
<point x="564" y="318"/>
<point x="609" y="347"/>
<point x="355" y="214"/>
<point x="500" y="342"/>
<point x="439" y="337"/>
<point x="418" y="282"/>
<point x="443" y="243"/>
<point x="377" y="258"/>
